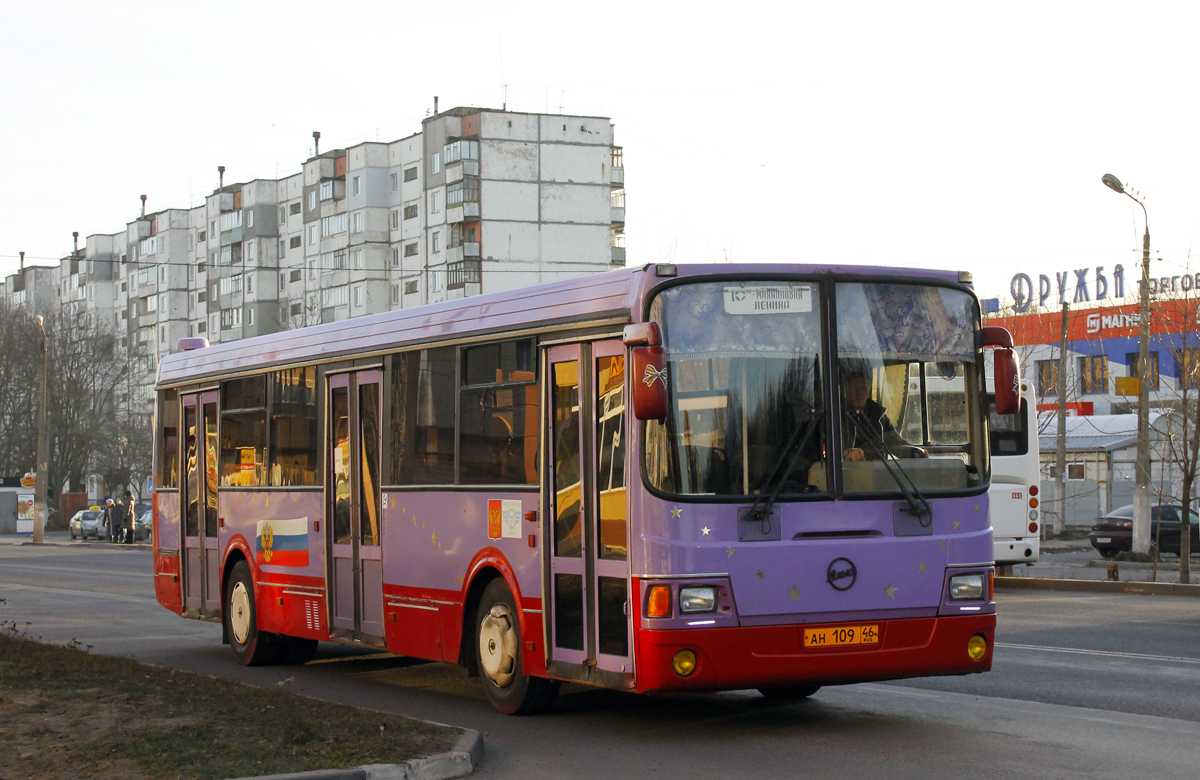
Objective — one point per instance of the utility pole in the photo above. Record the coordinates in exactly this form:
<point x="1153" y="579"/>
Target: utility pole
<point x="41" y="511"/>
<point x="1060" y="523"/>
<point x="1141" y="495"/>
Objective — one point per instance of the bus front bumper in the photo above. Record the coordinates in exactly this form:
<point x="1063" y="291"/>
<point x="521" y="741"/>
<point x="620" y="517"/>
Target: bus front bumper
<point x="776" y="656"/>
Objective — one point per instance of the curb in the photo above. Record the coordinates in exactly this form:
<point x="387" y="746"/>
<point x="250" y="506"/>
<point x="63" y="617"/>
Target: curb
<point x="1098" y="586"/>
<point x="459" y="761"/>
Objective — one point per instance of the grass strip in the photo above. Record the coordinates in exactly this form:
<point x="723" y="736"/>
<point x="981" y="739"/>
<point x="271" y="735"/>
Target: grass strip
<point x="71" y="713"/>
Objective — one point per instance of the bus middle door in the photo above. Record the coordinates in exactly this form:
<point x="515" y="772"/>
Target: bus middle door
<point x="588" y="590"/>
<point x="353" y="508"/>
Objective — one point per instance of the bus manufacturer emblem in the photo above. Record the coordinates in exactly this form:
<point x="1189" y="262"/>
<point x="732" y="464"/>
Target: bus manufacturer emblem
<point x="841" y="574"/>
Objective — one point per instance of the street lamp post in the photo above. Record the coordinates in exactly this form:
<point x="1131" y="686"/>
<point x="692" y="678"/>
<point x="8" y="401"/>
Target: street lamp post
<point x="41" y="511"/>
<point x="1141" y="495"/>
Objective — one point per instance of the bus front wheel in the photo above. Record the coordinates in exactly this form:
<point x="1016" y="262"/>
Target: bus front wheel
<point x="794" y="693"/>
<point x="498" y="656"/>
<point x="241" y="620"/>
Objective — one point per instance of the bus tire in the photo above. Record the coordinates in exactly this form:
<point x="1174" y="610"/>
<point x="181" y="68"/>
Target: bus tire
<point x="794" y="693"/>
<point x="250" y="645"/>
<point x="498" y="656"/>
<point x="297" y="651"/>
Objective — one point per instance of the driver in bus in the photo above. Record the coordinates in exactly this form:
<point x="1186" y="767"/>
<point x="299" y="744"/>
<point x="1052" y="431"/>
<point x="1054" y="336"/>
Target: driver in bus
<point x="866" y="429"/>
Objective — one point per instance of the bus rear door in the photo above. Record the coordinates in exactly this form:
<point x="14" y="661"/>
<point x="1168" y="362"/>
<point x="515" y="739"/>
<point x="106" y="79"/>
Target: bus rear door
<point x="588" y="588"/>
<point x="201" y="555"/>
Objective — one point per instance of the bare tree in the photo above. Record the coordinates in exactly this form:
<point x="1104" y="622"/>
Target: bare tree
<point x="20" y="341"/>
<point x="84" y="371"/>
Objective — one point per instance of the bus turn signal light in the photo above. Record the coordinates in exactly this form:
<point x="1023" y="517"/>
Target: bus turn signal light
<point x="1033" y="502"/>
<point x="976" y="647"/>
<point x="658" y="605"/>
<point x="684" y="663"/>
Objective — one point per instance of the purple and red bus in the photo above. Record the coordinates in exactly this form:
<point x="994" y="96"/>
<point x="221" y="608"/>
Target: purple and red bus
<point x="661" y="480"/>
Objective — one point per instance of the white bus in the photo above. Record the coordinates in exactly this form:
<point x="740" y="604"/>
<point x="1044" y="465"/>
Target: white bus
<point x="1013" y="495"/>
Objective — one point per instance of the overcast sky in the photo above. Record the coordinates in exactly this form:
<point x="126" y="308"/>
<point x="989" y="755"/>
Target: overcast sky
<point x="949" y="135"/>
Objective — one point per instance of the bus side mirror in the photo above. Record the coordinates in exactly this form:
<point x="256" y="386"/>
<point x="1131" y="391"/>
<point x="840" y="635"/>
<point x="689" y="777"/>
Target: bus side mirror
<point x="1007" y="382"/>
<point x="649" y="383"/>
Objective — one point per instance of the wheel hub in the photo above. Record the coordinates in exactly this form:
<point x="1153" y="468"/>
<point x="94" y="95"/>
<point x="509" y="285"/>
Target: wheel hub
<point x="239" y="613"/>
<point x="498" y="639"/>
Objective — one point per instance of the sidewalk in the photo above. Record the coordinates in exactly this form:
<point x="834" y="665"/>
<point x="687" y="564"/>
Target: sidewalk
<point x="59" y="538"/>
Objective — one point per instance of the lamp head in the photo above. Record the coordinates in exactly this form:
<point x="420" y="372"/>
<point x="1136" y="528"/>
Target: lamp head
<point x="1113" y="183"/>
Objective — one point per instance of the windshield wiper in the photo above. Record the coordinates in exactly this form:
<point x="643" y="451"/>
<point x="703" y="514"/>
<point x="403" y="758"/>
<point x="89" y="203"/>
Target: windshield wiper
<point x="759" y="511"/>
<point x="917" y="504"/>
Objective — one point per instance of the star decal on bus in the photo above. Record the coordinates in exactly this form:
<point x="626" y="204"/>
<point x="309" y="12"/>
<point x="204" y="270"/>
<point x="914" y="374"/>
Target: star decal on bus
<point x="921" y="567"/>
<point x="759" y="574"/>
<point x="794" y="594"/>
<point x="730" y="551"/>
<point x="676" y="511"/>
<point x="890" y="591"/>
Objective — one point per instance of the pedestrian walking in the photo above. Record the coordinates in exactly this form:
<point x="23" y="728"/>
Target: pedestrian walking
<point x="108" y="522"/>
<point x="120" y="519"/>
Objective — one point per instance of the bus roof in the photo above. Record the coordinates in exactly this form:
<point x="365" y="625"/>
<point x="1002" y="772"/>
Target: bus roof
<point x="612" y="296"/>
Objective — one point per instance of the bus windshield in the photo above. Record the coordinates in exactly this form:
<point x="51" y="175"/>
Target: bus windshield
<point x="753" y="409"/>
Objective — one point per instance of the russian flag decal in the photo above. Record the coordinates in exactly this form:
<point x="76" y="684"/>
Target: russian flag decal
<point x="283" y="542"/>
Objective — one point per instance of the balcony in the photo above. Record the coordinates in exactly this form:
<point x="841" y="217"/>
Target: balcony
<point x="463" y="252"/>
<point x="462" y="273"/>
<point x="618" y="257"/>
<point x="462" y="212"/>
<point x="616" y="177"/>
<point x="618" y="215"/>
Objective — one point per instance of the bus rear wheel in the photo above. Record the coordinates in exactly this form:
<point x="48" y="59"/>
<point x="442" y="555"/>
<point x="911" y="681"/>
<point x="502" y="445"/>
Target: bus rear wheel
<point x="498" y="656"/>
<point x="794" y="693"/>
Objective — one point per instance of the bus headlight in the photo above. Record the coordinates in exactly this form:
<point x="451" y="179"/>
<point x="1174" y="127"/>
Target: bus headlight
<point x="693" y="600"/>
<point x="966" y="586"/>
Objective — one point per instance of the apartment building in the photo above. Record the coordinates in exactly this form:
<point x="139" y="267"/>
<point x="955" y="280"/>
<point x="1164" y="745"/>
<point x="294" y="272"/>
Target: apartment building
<point x="479" y="200"/>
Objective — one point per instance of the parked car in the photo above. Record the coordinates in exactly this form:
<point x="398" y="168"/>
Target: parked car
<point x="88" y="522"/>
<point x="141" y="526"/>
<point x="1113" y="533"/>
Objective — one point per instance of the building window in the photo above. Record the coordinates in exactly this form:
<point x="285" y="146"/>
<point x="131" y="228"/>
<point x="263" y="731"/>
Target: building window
<point x="358" y="297"/>
<point x="294" y="242"/>
<point x="357" y="184"/>
<point x="249" y="218"/>
<point x="410" y="287"/>
<point x="436" y="244"/>
<point x="465" y="191"/>
<point x="1047" y="377"/>
<point x="249" y="283"/>
<point x="202" y="237"/>
<point x="282" y="214"/>
<point x="1188" y="362"/>
<point x="437" y="162"/>
<point x="435" y="202"/>
<point x="282" y="282"/>
<point x="395" y="182"/>
<point x="294" y="208"/>
<point x="410" y="211"/>
<point x="395" y="258"/>
<point x="294" y="275"/>
<point x="1076" y="472"/>
<point x="326" y="189"/>
<point x="395" y="220"/>
<point x="312" y="200"/>
<point x="312" y="235"/>
<point x="250" y="316"/>
<point x="334" y="261"/>
<point x="358" y="222"/>
<point x="395" y="293"/>
<point x="1132" y="360"/>
<point x="411" y="249"/>
<point x="410" y="174"/>
<point x="1093" y="374"/>
<point x="333" y="225"/>
<point x="356" y="257"/>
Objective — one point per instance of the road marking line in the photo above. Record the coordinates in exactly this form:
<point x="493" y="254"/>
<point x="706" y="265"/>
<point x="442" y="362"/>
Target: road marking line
<point x="1108" y="653"/>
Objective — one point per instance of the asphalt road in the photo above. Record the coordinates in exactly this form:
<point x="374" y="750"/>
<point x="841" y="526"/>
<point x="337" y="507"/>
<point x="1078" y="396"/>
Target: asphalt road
<point x="1083" y="685"/>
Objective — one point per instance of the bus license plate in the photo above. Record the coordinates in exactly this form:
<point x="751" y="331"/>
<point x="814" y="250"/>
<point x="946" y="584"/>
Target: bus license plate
<point x="1103" y="540"/>
<point x="842" y="635"/>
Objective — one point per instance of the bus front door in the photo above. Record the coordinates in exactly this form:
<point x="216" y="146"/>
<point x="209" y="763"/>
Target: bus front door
<point x="353" y="509"/>
<point x="588" y="588"/>
<point x="201" y="556"/>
